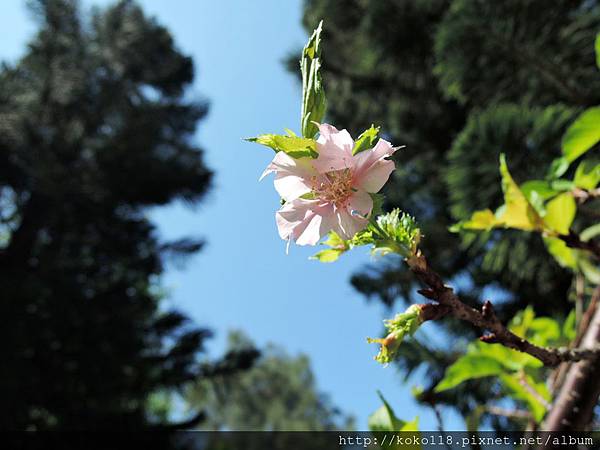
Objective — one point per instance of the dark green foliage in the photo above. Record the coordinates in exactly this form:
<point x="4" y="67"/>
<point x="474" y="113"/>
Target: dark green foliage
<point x="519" y="51"/>
<point x="93" y="128"/>
<point x="460" y="82"/>
<point x="278" y="393"/>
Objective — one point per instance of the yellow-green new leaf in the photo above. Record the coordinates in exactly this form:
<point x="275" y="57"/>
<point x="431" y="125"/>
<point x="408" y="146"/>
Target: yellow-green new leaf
<point x="296" y="147"/>
<point x="582" y="135"/>
<point x="598" y="50"/>
<point x="468" y="367"/>
<point x="366" y="140"/>
<point x="564" y="256"/>
<point x="560" y="212"/>
<point x="524" y="388"/>
<point x="518" y="212"/>
<point x="587" y="175"/>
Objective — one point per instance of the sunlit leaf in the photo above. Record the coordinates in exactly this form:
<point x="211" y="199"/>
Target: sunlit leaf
<point x="296" y="147"/>
<point x="560" y="212"/>
<point x="524" y="388"/>
<point x="366" y="140"/>
<point x="468" y="367"/>
<point x="564" y="256"/>
<point x="384" y="418"/>
<point x="589" y="270"/>
<point x="587" y="175"/>
<point x="582" y="135"/>
<point x="590" y="232"/>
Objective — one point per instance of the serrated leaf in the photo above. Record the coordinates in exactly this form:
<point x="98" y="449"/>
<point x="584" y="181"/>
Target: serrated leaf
<point x="313" y="93"/>
<point x="296" y="147"/>
<point x="560" y="213"/>
<point x="366" y="140"/>
<point x="587" y="175"/>
<point x="582" y="135"/>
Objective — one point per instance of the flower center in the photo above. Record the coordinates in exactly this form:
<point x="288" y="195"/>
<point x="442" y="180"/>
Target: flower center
<point x="334" y="187"/>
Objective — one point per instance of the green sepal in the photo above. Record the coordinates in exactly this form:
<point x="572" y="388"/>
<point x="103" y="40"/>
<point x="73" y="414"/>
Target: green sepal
<point x="314" y="102"/>
<point x="296" y="147"/>
<point x="366" y="140"/>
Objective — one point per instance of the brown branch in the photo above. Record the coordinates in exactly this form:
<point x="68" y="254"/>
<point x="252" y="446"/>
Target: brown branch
<point x="574" y="241"/>
<point x="582" y="195"/>
<point x="510" y="413"/>
<point x="574" y="404"/>
<point x="486" y="319"/>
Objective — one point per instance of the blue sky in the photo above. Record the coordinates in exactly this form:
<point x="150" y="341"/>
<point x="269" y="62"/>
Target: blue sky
<point x="243" y="279"/>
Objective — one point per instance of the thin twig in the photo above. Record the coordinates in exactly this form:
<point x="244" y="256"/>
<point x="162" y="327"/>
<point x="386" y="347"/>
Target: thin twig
<point x="510" y="413"/>
<point x="486" y="319"/>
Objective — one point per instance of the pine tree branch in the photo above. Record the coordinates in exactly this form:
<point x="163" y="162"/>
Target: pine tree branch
<point x="486" y="319"/>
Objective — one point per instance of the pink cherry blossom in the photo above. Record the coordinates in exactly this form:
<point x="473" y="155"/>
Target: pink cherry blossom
<point x="338" y="181"/>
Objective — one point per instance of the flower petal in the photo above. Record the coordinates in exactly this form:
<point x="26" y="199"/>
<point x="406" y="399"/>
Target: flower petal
<point x="371" y="169"/>
<point x="292" y="176"/>
<point x="305" y="221"/>
<point x="334" y="148"/>
<point x="360" y="204"/>
<point x="292" y="215"/>
<point x="349" y="225"/>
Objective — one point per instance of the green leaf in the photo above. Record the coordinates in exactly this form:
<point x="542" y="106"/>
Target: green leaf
<point x="543" y="188"/>
<point x="587" y="175"/>
<point x="589" y="270"/>
<point x="598" y="50"/>
<point x="545" y="331"/>
<point x="560" y="212"/>
<point x="569" y="328"/>
<point x="582" y="135"/>
<point x="480" y="220"/>
<point x="517" y="212"/>
<point x="564" y="256"/>
<point x="468" y="367"/>
<point x="384" y="418"/>
<point x="328" y="255"/>
<point x="366" y="140"/>
<point x="395" y="232"/>
<point x="296" y="147"/>
<point x="531" y="395"/>
<point x="590" y="232"/>
<point x="313" y="93"/>
<point x="558" y="167"/>
<point x="537" y="192"/>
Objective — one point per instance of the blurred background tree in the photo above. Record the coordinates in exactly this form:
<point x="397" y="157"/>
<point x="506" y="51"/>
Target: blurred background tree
<point x="460" y="82"/>
<point x="94" y="129"/>
<point x="277" y="393"/>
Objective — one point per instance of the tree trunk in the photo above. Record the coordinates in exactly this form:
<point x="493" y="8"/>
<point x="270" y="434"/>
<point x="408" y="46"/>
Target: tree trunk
<point x="573" y="408"/>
